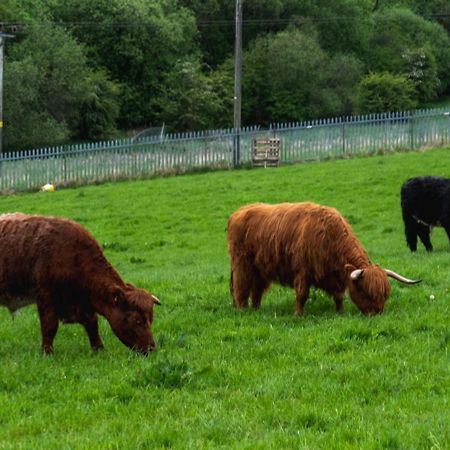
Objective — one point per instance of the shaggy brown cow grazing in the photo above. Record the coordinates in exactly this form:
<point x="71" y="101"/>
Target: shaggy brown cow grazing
<point x="58" y="265"/>
<point x="302" y="245"/>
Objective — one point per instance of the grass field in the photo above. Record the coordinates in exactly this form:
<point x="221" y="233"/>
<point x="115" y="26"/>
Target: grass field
<point x="440" y="103"/>
<point x="226" y="379"/>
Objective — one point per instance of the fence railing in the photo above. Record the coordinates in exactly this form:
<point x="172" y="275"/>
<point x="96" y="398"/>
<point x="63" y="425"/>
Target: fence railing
<point x="302" y="141"/>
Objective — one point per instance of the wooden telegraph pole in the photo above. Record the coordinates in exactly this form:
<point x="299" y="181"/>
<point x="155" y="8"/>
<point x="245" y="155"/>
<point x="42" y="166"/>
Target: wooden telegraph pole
<point x="237" y="82"/>
<point x="3" y="37"/>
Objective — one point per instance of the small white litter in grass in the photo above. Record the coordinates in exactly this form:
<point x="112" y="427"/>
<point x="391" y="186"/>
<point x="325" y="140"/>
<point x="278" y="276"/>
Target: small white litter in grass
<point x="432" y="297"/>
<point x="48" y="188"/>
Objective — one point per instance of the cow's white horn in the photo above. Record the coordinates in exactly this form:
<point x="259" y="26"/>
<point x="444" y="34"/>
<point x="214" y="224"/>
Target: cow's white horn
<point x="156" y="300"/>
<point x="356" y="274"/>
<point x="401" y="278"/>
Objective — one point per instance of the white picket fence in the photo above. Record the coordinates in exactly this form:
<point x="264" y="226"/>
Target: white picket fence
<point x="176" y="153"/>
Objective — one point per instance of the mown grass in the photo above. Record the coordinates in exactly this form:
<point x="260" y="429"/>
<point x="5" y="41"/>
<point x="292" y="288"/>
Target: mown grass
<point x="228" y="379"/>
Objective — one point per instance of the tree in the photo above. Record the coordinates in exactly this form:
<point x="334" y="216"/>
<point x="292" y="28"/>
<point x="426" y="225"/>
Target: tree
<point x="421" y="69"/>
<point x="400" y="32"/>
<point x="383" y="92"/>
<point x="192" y="99"/>
<point x="341" y="24"/>
<point x="215" y="23"/>
<point x="289" y="77"/>
<point x="437" y="10"/>
<point x="137" y="42"/>
<point x="8" y="10"/>
<point x="27" y="123"/>
<point x="47" y="85"/>
<point x="99" y="108"/>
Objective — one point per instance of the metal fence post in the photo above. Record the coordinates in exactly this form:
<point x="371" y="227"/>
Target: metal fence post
<point x="65" y="164"/>
<point x="343" y="137"/>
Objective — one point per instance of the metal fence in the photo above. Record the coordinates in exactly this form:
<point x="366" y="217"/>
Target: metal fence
<point x="176" y="153"/>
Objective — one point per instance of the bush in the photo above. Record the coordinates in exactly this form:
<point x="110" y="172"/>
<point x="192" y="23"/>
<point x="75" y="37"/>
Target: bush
<point x="400" y="40"/>
<point x="421" y="69"/>
<point x="289" y="77"/>
<point x="380" y="92"/>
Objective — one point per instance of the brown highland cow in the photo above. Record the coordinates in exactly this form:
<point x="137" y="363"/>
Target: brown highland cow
<point x="302" y="245"/>
<point x="58" y="265"/>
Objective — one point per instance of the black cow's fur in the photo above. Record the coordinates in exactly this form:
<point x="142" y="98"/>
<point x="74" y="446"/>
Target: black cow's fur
<point x="425" y="204"/>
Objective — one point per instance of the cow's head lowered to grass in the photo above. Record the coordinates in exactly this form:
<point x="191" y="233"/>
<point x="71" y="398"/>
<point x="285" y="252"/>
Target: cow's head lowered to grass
<point x="130" y="315"/>
<point x="369" y="288"/>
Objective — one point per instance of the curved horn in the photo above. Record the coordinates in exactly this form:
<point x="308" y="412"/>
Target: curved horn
<point x="156" y="300"/>
<point x="356" y="274"/>
<point x="398" y="277"/>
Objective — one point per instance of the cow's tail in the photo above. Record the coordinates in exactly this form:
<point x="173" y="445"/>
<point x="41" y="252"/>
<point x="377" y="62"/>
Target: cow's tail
<point x="231" y="283"/>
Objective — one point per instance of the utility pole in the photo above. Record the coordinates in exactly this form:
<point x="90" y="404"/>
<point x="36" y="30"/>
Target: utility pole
<point x="237" y="82"/>
<point x="3" y="37"/>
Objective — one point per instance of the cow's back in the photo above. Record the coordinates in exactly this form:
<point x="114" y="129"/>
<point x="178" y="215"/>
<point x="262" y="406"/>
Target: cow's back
<point x="37" y="250"/>
<point x="423" y="197"/>
<point x="284" y="239"/>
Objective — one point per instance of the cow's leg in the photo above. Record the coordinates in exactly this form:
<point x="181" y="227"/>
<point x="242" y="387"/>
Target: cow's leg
<point x="424" y="234"/>
<point x="241" y="284"/>
<point x="447" y="230"/>
<point x="258" y="288"/>
<point x="410" y="231"/>
<point x="49" y="324"/>
<point x="91" y="326"/>
<point x="302" y="294"/>
<point x="339" y="301"/>
<point x="446" y="226"/>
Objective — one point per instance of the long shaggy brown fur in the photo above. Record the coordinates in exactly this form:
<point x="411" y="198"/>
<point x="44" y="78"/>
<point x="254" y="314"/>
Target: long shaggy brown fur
<point x="301" y="245"/>
<point x="58" y="265"/>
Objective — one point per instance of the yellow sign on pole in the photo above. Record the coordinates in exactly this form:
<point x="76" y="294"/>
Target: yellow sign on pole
<point x="1" y="123"/>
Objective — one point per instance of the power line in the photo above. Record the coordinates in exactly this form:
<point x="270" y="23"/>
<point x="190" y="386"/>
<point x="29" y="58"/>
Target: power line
<point x="203" y="22"/>
<point x="213" y="22"/>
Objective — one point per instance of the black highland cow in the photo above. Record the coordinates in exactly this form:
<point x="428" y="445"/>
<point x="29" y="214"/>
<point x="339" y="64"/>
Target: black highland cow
<point x="425" y="204"/>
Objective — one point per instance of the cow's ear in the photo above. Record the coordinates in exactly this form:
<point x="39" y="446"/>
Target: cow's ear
<point x="349" y="268"/>
<point x="118" y="296"/>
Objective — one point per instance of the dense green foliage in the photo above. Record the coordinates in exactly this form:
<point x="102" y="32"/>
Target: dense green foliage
<point x="50" y="90"/>
<point x="277" y="63"/>
<point x="137" y="42"/>
<point x="397" y="35"/>
<point x="380" y="92"/>
<point x="119" y="65"/>
<point x="227" y="379"/>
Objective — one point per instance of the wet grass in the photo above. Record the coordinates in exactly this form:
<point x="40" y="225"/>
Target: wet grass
<point x="226" y="379"/>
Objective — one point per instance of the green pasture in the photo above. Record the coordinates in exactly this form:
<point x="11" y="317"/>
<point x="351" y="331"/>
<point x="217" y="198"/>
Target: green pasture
<point x="225" y="379"/>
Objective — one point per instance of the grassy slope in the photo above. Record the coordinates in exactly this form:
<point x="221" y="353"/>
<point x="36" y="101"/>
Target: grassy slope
<point x="440" y="103"/>
<point x="226" y="379"/>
